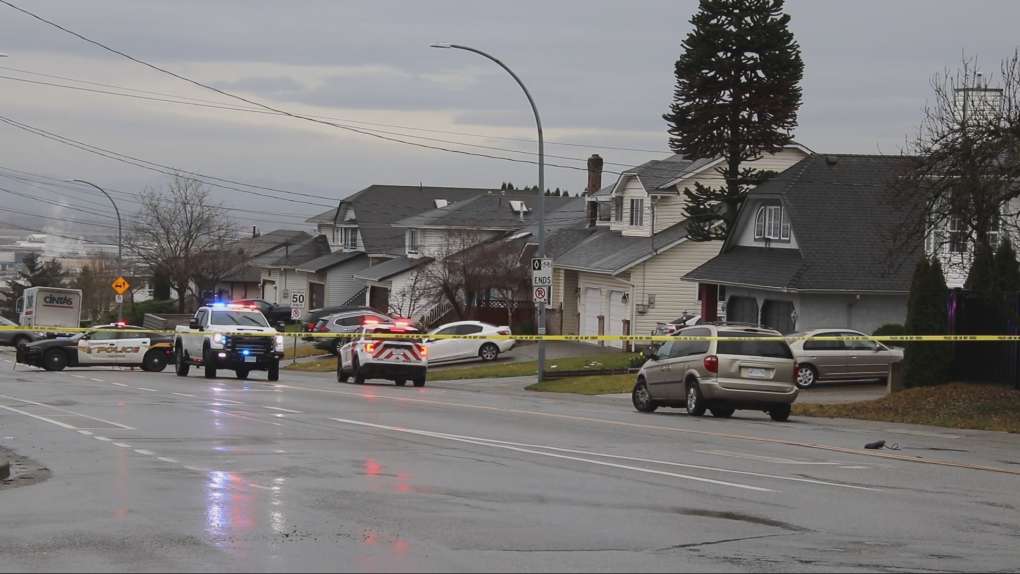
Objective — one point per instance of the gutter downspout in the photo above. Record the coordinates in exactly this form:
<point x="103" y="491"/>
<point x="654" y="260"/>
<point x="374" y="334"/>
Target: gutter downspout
<point x="850" y="311"/>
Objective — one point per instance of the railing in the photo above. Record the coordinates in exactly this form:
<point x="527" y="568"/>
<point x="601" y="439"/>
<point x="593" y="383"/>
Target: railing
<point x="435" y="313"/>
<point x="358" y="299"/>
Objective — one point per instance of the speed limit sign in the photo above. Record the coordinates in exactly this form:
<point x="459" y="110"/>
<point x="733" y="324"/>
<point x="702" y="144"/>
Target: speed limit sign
<point x="298" y="298"/>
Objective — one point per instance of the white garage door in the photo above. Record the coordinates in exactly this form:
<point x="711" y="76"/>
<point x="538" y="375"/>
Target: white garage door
<point x="617" y="313"/>
<point x="592" y="310"/>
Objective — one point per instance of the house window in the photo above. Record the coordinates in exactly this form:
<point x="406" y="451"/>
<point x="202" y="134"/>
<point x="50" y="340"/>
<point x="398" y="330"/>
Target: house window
<point x="637" y="212"/>
<point x="618" y="209"/>
<point x="993" y="233"/>
<point x="773" y="222"/>
<point x="759" y="224"/>
<point x="784" y="228"/>
<point x="412" y="240"/>
<point x="722" y="293"/>
<point x="349" y="238"/>
<point x="605" y="211"/>
<point x="957" y="240"/>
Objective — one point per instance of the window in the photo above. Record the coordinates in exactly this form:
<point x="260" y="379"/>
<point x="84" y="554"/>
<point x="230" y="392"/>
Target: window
<point x="698" y="347"/>
<point x="811" y="345"/>
<point x="665" y="349"/>
<point x="773" y="222"/>
<point x="752" y="348"/>
<point x="104" y="336"/>
<point x="349" y="238"/>
<point x="957" y="240"/>
<point x="605" y="211"/>
<point x="618" y="209"/>
<point x="993" y="233"/>
<point x="637" y="212"/>
<point x="412" y="240"/>
<point x="680" y="349"/>
<point x="469" y="329"/>
<point x="722" y="293"/>
<point x="759" y="224"/>
<point x="784" y="228"/>
<point x="859" y="345"/>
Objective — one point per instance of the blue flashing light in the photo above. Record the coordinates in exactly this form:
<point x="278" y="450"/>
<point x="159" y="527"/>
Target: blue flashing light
<point x="245" y="352"/>
<point x="219" y="305"/>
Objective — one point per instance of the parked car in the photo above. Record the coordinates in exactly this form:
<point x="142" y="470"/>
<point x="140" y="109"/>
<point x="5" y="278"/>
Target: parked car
<point x="345" y="322"/>
<point x="309" y="320"/>
<point x="273" y="313"/>
<point x="444" y="350"/>
<point x="108" y="348"/>
<point x="370" y="357"/>
<point x="15" y="336"/>
<point x="840" y="360"/>
<point x="663" y="329"/>
<point x="719" y="376"/>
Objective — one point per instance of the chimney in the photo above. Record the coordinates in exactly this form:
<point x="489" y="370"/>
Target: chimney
<point x="594" y="185"/>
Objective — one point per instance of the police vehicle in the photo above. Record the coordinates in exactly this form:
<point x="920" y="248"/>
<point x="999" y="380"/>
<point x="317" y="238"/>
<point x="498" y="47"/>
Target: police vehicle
<point x="367" y="356"/>
<point x="117" y="345"/>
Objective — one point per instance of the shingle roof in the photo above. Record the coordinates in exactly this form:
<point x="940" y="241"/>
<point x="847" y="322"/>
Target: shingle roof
<point x="387" y="269"/>
<point x="490" y="211"/>
<point x="839" y="216"/>
<point x="379" y="206"/>
<point x="255" y="246"/>
<point x="292" y="255"/>
<point x="327" y="261"/>
<point x="606" y="251"/>
<point x="249" y="274"/>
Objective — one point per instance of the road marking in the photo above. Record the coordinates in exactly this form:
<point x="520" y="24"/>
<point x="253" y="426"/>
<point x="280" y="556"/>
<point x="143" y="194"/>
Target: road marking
<point x="482" y="442"/>
<point x="79" y="377"/>
<point x="260" y="486"/>
<point x="85" y="432"/>
<point x="21" y="412"/>
<point x="228" y="401"/>
<point x="121" y="445"/>
<point x="118" y="384"/>
<point x="196" y="469"/>
<point x="102" y="438"/>
<point x="125" y="427"/>
<point x="7" y="360"/>
<point x="102" y="381"/>
<point x="786" y="442"/>
<point x="856" y="467"/>
<point x="182" y="394"/>
<point x="766" y="458"/>
<point x="145" y="452"/>
<point x="283" y="409"/>
<point x="145" y="389"/>
<point x="165" y="459"/>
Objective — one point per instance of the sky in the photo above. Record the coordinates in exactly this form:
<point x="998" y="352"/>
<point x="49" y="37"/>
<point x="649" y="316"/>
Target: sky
<point x="601" y="75"/>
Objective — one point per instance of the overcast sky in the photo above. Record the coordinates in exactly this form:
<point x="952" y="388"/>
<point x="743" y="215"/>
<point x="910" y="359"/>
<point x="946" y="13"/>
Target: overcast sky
<point x="601" y="74"/>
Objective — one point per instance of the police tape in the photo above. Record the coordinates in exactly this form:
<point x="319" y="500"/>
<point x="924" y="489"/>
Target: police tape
<point x="495" y="337"/>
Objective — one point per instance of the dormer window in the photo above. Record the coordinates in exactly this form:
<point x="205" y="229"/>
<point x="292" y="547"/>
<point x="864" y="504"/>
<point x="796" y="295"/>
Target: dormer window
<point x="412" y="241"/>
<point x="605" y="212"/>
<point x="349" y="238"/>
<point x="637" y="212"/>
<point x="772" y="223"/>
<point x="618" y="209"/>
<point x="349" y="214"/>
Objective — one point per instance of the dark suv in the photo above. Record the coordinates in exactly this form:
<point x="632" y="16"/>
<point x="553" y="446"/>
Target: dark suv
<point x="311" y="317"/>
<point x="273" y="313"/>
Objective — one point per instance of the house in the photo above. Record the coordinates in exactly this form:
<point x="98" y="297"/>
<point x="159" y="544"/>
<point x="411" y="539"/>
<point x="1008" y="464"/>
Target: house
<point x="246" y="282"/>
<point x="338" y="271"/>
<point x="808" y="251"/>
<point x="618" y="270"/>
<point x="280" y="271"/>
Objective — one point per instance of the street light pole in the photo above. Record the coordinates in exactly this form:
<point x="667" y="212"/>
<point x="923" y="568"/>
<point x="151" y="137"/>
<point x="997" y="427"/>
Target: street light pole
<point x="541" y="189"/>
<point x="120" y="242"/>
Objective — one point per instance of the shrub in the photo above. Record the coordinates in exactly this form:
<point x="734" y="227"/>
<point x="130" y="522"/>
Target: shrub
<point x="889" y="330"/>
<point x="525" y="327"/>
<point x="636" y="361"/>
<point x="926" y="363"/>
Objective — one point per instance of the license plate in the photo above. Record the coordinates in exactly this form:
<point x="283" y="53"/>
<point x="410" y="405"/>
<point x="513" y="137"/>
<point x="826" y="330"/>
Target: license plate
<point x="756" y="373"/>
<point x="249" y="359"/>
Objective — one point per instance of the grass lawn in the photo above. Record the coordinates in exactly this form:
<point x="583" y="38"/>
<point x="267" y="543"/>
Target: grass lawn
<point x="597" y="385"/>
<point x="305" y="351"/>
<point x="958" y="405"/>
<point x="484" y="371"/>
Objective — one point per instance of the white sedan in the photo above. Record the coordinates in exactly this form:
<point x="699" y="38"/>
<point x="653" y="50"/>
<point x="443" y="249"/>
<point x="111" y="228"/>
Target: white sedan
<point x="444" y="350"/>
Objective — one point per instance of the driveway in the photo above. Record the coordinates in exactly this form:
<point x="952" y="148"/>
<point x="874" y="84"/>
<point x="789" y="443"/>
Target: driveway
<point x="528" y="351"/>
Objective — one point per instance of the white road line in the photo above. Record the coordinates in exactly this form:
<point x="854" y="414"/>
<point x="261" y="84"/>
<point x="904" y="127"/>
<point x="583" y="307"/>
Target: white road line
<point x="228" y="401"/>
<point x="125" y="427"/>
<point x="196" y="469"/>
<point x="260" y="486"/>
<point x="118" y="384"/>
<point x="7" y="360"/>
<point x="767" y="458"/>
<point x="282" y="409"/>
<point x="102" y="438"/>
<point x="145" y="389"/>
<point x="165" y="459"/>
<point x="79" y="377"/>
<point x="85" y="432"/>
<point x="182" y="394"/>
<point x="482" y="442"/>
<point x="121" y="445"/>
<point x="102" y="381"/>
<point x="145" y="452"/>
<point x="37" y="417"/>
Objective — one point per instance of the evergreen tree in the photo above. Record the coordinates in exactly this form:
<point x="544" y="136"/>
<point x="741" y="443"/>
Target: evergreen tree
<point x="926" y="363"/>
<point x="1007" y="269"/>
<point x="736" y="97"/>
<point x="982" y="276"/>
<point x="503" y="187"/>
<point x="35" y="273"/>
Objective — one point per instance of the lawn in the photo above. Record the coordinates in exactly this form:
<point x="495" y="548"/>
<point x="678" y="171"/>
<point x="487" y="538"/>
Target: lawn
<point x="597" y="385"/>
<point x="305" y="351"/>
<point x="958" y="405"/>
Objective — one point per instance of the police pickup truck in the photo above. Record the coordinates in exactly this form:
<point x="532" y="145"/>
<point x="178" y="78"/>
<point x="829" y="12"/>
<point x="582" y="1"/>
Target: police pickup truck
<point x="368" y="356"/>
<point x="235" y="337"/>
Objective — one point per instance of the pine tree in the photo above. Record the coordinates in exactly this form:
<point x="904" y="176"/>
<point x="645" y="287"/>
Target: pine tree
<point x="503" y="187"/>
<point x="983" y="275"/>
<point x="737" y="96"/>
<point x="36" y="273"/>
<point x="926" y="363"/>
<point x="1007" y="269"/>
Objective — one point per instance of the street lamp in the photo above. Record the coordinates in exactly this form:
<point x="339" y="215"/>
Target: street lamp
<point x="120" y="241"/>
<point x="541" y="188"/>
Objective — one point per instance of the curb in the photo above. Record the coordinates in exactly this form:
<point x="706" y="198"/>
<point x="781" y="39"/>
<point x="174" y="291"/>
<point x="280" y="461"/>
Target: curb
<point x="5" y="468"/>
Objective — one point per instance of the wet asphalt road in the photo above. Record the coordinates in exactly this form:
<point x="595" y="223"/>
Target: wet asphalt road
<point x="152" y="472"/>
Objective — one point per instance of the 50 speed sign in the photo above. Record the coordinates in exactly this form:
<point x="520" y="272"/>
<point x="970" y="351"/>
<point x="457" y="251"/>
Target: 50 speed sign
<point x="298" y="298"/>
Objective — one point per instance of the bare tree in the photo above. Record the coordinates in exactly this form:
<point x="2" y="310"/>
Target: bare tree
<point x="94" y="280"/>
<point x="180" y="233"/>
<point x="499" y="269"/>
<point x="453" y="276"/>
<point x="412" y="298"/>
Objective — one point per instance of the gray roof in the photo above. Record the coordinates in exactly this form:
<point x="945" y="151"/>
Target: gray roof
<point x="379" y="206"/>
<point x="840" y="217"/>
<point x="387" y="269"/>
<point x="606" y="251"/>
<point x="248" y="274"/>
<point x="490" y="211"/>
<point x="255" y="246"/>
<point x="294" y="254"/>
<point x="327" y="261"/>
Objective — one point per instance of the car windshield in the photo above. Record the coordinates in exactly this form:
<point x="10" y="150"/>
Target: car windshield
<point x="753" y="348"/>
<point x="6" y="323"/>
<point x="242" y="318"/>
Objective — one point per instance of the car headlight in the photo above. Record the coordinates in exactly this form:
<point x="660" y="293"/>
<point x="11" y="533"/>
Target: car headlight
<point x="279" y="340"/>
<point x="217" y="338"/>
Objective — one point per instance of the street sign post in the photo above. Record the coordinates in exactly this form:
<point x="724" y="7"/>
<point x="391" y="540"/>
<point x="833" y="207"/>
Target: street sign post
<point x="295" y="313"/>
<point x="541" y="272"/>
<point x="119" y="298"/>
<point x="121" y="285"/>
<point x="298" y="298"/>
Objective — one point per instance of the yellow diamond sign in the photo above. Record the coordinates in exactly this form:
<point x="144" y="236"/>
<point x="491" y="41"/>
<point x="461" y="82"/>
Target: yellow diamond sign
<point x="121" y="285"/>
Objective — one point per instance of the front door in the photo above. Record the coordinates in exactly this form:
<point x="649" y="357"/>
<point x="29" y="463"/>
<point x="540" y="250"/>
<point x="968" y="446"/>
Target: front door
<point x="656" y="376"/>
<point x="379" y="298"/>
<point x="316" y="295"/>
<point x="592" y="309"/>
<point x="99" y="348"/>
<point x="829" y="357"/>
<point x="442" y="349"/>
<point x="617" y="314"/>
<point x="466" y="348"/>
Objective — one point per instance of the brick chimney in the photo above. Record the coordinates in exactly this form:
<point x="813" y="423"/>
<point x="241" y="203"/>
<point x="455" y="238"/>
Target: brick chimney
<point x="594" y="185"/>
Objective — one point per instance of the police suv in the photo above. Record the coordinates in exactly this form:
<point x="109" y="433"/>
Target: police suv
<point x="228" y="336"/>
<point x="367" y="356"/>
<point x="116" y="345"/>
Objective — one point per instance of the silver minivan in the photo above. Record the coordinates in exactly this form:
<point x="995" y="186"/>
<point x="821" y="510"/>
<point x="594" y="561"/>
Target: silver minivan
<point x="719" y="376"/>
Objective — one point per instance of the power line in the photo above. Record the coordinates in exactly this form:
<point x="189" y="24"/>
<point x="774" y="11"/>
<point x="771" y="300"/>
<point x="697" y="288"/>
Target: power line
<point x="40" y="231"/>
<point x="280" y="111"/>
<point x="465" y="134"/>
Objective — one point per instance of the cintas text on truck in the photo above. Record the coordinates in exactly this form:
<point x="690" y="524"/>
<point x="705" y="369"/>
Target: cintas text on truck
<point x="234" y="337"/>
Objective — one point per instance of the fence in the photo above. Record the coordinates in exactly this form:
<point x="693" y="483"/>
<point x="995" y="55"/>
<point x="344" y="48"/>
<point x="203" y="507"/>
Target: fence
<point x="495" y="312"/>
<point x="971" y="313"/>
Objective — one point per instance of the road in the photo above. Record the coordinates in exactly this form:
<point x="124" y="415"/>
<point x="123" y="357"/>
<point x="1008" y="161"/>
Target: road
<point x="156" y="472"/>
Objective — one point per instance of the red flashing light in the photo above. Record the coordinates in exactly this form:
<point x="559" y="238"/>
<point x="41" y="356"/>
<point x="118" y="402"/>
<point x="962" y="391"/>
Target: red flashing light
<point x="424" y="351"/>
<point x="369" y="347"/>
<point x="401" y="323"/>
<point x="122" y="324"/>
<point x="371" y="321"/>
<point x="712" y="364"/>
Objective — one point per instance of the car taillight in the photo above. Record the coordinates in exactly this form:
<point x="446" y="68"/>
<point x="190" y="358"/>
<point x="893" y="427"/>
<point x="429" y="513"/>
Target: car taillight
<point x="369" y="347"/>
<point x="503" y="332"/>
<point x="324" y="329"/>
<point x="796" y="371"/>
<point x="712" y="364"/>
<point x="424" y="351"/>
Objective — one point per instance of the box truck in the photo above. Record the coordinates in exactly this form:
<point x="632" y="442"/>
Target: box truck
<point x="43" y="307"/>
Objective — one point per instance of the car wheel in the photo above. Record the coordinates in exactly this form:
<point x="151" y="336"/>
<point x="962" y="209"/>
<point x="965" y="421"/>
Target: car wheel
<point x="337" y="345"/>
<point x="489" y="352"/>
<point x="274" y="370"/>
<point x="695" y="402"/>
<point x="180" y="366"/>
<point x="341" y="375"/>
<point x="419" y="382"/>
<point x="55" y="360"/>
<point x="19" y="341"/>
<point x="359" y="377"/>
<point x="242" y="373"/>
<point x="642" y="400"/>
<point x="154" y="361"/>
<point x="780" y="413"/>
<point x="400" y="382"/>
<point x="722" y="413"/>
<point x="807" y="376"/>
<point x="210" y="366"/>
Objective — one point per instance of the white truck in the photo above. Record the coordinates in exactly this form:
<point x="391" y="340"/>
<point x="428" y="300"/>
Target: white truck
<point x="235" y="337"/>
<point x="40" y="308"/>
